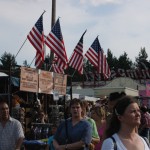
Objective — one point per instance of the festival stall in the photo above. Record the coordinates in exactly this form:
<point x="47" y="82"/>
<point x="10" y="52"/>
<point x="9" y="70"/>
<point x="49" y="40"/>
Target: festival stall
<point x="36" y="92"/>
<point x="47" y="86"/>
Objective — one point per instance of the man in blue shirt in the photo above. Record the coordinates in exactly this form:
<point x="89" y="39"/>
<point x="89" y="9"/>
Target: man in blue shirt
<point x="76" y="130"/>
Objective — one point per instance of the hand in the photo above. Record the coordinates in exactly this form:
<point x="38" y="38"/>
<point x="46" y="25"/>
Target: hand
<point x="91" y="146"/>
<point x="60" y="147"/>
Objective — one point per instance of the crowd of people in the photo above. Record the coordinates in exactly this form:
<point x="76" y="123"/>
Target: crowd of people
<point x="115" y="123"/>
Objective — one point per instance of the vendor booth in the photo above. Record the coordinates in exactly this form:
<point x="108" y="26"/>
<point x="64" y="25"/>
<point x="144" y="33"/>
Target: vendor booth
<point x="34" y="92"/>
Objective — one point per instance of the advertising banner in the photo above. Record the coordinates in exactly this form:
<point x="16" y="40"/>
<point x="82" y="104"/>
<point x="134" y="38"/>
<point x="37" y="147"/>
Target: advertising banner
<point x="29" y="79"/>
<point x="45" y="82"/>
<point x="60" y="83"/>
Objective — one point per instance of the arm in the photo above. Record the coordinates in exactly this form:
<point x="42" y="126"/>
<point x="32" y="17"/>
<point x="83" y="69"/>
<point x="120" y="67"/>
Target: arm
<point x="72" y="146"/>
<point x="47" y="147"/>
<point x="19" y="143"/>
<point x="19" y="135"/>
<point x="95" y="136"/>
<point x="56" y="145"/>
<point x="95" y="141"/>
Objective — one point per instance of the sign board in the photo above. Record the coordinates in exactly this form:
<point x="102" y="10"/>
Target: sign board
<point x="45" y="82"/>
<point x="29" y="79"/>
<point x="60" y="83"/>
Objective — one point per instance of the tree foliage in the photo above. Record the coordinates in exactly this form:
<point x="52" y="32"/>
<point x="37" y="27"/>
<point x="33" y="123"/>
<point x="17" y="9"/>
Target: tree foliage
<point x="7" y="61"/>
<point x="112" y="60"/>
<point x="141" y="61"/>
<point x="124" y="62"/>
<point x="25" y="63"/>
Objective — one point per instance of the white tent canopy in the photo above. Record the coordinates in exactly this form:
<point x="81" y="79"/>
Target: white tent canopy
<point x="86" y="98"/>
<point x="2" y="74"/>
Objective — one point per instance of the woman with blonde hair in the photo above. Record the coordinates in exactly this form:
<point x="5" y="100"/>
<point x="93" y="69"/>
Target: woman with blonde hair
<point x="99" y="116"/>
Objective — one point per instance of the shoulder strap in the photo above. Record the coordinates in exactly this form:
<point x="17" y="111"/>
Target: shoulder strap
<point x="146" y="140"/>
<point x="114" y="141"/>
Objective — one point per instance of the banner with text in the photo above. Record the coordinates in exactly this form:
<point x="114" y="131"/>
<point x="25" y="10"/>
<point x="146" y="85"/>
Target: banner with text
<point x="45" y="82"/>
<point x="29" y="79"/>
<point x="60" y="83"/>
<point x="39" y="81"/>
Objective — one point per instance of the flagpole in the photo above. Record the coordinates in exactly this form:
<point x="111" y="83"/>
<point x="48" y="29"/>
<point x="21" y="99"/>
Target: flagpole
<point x="9" y="87"/>
<point x="32" y="61"/>
<point x="73" y="73"/>
<point x="53" y="19"/>
<point x="20" y="48"/>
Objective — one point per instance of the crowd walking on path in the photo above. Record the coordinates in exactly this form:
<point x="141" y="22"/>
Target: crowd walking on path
<point x="115" y="123"/>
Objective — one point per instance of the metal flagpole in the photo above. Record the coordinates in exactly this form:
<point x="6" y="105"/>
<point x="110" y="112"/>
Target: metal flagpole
<point x="20" y="48"/>
<point x="53" y="19"/>
<point x="32" y="61"/>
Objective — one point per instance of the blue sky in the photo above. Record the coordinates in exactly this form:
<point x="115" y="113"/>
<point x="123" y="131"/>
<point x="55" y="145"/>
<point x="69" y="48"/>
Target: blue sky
<point x="122" y="25"/>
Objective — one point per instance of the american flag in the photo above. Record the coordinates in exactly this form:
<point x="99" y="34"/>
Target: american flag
<point x="36" y="38"/>
<point x="97" y="58"/>
<point x="56" y="44"/>
<point x="56" y="65"/>
<point x="76" y="59"/>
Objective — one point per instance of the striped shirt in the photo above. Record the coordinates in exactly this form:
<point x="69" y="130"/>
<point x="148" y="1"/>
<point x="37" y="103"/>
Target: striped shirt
<point x="10" y="133"/>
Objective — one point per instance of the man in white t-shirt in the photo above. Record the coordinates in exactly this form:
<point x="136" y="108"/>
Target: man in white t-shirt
<point x="11" y="132"/>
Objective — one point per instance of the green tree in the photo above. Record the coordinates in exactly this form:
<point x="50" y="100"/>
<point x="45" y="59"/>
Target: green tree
<point x="141" y="61"/>
<point x="112" y="60"/>
<point x="124" y="62"/>
<point x="25" y="63"/>
<point x="7" y="61"/>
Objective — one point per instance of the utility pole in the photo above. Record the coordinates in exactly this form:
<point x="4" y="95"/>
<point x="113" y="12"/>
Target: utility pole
<point x="53" y="19"/>
<point x="53" y="13"/>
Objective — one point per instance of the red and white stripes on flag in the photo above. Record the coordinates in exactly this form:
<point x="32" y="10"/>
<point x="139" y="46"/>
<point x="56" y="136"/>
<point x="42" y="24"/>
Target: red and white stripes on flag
<point x="57" y="65"/>
<point x="97" y="58"/>
<point x="36" y="38"/>
<point x="106" y="69"/>
<point x="56" y="44"/>
<point x="76" y="59"/>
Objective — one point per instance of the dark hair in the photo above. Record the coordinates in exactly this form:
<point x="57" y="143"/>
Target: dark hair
<point x="119" y="109"/>
<point x="77" y="101"/>
<point x="144" y="109"/>
<point x="116" y="95"/>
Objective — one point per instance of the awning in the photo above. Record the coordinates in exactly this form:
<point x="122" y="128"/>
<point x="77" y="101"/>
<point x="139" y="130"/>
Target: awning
<point x="2" y="74"/>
